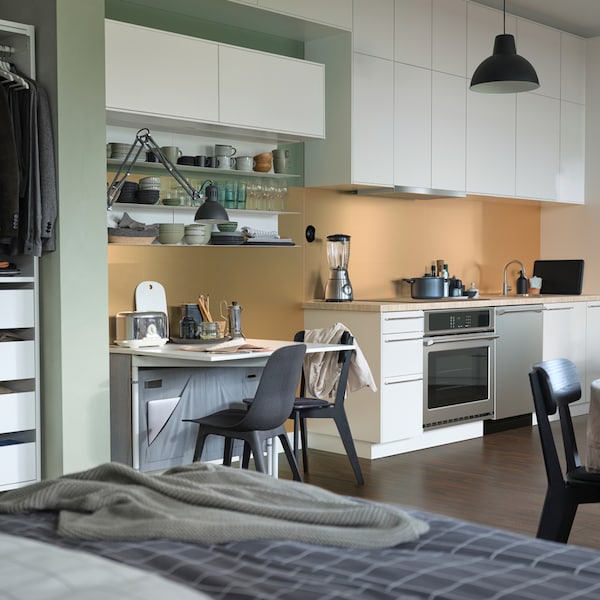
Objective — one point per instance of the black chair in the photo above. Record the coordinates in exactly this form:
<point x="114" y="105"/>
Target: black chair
<point x="265" y="416"/>
<point x="316" y="408"/>
<point x="555" y="385"/>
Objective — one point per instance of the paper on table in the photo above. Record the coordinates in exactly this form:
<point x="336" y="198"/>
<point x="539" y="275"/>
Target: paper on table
<point x="230" y="346"/>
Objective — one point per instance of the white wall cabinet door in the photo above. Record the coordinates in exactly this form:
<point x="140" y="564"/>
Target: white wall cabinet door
<point x="592" y="344"/>
<point x="413" y="32"/>
<point x="373" y="29"/>
<point x="491" y="120"/>
<point x="412" y="126"/>
<point x="157" y="73"/>
<point x="372" y="118"/>
<point x="448" y="127"/>
<point x="540" y="45"/>
<point x="449" y="37"/>
<point x="537" y="146"/>
<point x="572" y="68"/>
<point x="564" y="333"/>
<point x="571" y="182"/>
<point x="332" y="12"/>
<point x="270" y="92"/>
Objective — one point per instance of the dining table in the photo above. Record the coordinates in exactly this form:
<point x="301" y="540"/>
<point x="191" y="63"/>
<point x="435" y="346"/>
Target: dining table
<point x="153" y="389"/>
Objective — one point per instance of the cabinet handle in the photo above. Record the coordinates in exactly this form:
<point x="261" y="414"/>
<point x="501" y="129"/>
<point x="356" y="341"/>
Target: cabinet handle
<point x="559" y="308"/>
<point x="399" y="318"/>
<point x="410" y="339"/>
<point x="593" y="305"/>
<point x="418" y="378"/>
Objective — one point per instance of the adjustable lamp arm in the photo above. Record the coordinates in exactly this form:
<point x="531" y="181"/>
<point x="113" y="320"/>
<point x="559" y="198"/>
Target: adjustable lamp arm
<point x="143" y="139"/>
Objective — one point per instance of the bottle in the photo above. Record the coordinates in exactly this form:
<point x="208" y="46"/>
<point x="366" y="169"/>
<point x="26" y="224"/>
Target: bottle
<point x="187" y="328"/>
<point x="444" y="276"/>
<point x="521" y="284"/>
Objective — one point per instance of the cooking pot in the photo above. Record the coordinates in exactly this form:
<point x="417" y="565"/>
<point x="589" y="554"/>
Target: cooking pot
<point x="427" y="287"/>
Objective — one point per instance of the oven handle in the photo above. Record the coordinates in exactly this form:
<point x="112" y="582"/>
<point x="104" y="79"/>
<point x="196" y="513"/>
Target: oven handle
<point x="459" y="338"/>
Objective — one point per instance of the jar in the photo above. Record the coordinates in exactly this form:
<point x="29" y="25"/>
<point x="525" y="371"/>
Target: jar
<point x="208" y="330"/>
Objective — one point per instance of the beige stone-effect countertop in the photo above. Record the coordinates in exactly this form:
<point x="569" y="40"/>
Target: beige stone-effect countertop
<point x="408" y="303"/>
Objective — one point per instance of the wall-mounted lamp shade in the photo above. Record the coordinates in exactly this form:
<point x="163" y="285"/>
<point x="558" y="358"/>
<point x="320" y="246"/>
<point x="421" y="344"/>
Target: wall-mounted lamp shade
<point x="505" y="72"/>
<point x="211" y="211"/>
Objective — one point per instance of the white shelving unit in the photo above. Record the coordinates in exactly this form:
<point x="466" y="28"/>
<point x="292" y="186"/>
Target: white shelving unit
<point x="20" y="456"/>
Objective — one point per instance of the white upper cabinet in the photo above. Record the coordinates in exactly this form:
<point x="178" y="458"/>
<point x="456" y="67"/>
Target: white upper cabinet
<point x="491" y="122"/>
<point x="330" y="12"/>
<point x="373" y="29"/>
<point x="571" y="179"/>
<point x="412" y="126"/>
<point x="271" y="93"/>
<point x="413" y="32"/>
<point x="372" y="118"/>
<point x="449" y="37"/>
<point x="572" y="68"/>
<point x="448" y="129"/>
<point x="185" y="84"/>
<point x="538" y="146"/>
<point x="540" y="45"/>
<point x="152" y="72"/>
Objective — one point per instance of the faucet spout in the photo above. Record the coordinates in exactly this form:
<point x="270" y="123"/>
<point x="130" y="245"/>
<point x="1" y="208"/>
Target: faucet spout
<point x="505" y="287"/>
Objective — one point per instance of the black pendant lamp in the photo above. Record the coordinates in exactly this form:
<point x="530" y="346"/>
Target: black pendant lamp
<point x="505" y="72"/>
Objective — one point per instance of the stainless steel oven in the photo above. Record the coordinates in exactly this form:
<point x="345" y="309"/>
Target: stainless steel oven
<point x="458" y="366"/>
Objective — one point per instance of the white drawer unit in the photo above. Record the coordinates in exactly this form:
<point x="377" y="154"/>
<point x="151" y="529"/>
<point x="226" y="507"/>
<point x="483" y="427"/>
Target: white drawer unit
<point x="18" y="463"/>
<point x="18" y="308"/>
<point x="18" y="412"/>
<point x="17" y="360"/>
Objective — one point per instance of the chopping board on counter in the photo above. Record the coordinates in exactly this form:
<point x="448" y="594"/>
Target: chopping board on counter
<point x="560" y="276"/>
<point x="150" y="297"/>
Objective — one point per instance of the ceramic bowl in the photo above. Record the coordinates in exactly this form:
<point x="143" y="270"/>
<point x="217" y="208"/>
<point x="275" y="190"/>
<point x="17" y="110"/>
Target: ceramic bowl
<point x="230" y="226"/>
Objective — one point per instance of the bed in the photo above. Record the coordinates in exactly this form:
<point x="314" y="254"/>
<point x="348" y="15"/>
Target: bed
<point x="447" y="558"/>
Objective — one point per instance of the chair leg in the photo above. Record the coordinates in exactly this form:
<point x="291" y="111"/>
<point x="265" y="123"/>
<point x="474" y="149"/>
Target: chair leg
<point x="257" y="451"/>
<point x="303" y="437"/>
<point x="346" y="435"/>
<point x="296" y="432"/>
<point x="246" y="456"/>
<point x="200" y="439"/>
<point x="228" y="451"/>
<point x="290" y="456"/>
<point x="557" y="516"/>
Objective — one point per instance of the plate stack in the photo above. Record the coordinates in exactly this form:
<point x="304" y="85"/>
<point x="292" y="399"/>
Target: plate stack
<point x="128" y="192"/>
<point x="227" y="238"/>
<point x="120" y="150"/>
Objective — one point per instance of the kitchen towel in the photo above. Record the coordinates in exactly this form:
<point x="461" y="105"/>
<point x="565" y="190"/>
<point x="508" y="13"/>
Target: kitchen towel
<point x="322" y="370"/>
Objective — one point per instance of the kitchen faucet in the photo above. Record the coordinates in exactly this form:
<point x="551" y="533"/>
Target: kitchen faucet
<point x="505" y="287"/>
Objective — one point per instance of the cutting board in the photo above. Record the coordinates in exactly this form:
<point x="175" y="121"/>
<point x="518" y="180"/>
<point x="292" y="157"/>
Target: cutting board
<point x="560" y="276"/>
<point x="150" y="296"/>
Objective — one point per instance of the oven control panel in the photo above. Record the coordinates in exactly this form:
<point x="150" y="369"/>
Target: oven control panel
<point x="438" y="322"/>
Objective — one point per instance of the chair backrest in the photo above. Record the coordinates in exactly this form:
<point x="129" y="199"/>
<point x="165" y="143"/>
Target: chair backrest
<point x="344" y="357"/>
<point x="554" y="385"/>
<point x="276" y="392"/>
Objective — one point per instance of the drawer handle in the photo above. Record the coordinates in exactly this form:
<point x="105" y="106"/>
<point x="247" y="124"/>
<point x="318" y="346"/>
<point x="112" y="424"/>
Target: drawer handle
<point x="411" y="339"/>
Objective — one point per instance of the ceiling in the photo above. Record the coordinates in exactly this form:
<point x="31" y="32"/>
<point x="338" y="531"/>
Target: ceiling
<point x="581" y="17"/>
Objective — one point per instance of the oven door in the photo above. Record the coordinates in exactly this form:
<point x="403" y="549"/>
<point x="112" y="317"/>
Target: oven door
<point x="458" y="379"/>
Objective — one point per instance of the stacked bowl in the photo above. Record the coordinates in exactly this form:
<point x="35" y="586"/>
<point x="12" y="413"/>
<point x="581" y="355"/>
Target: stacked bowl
<point x="128" y="192"/>
<point x="149" y="190"/>
<point x="197" y="234"/>
<point x="170" y="233"/>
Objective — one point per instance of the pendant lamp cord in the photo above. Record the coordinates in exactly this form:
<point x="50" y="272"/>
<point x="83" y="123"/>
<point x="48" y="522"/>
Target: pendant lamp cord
<point x="504" y="12"/>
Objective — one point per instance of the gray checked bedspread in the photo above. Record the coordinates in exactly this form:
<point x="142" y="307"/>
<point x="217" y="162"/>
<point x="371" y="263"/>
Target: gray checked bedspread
<point x="455" y="560"/>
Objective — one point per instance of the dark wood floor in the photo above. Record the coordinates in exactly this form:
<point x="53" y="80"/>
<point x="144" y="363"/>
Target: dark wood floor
<point x="497" y="480"/>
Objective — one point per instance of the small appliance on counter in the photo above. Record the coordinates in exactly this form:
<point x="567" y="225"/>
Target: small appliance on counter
<point x="137" y="329"/>
<point x="338" y="288"/>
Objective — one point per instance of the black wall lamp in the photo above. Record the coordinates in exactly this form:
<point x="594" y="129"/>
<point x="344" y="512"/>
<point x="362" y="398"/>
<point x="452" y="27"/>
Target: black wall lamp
<point x="505" y="72"/>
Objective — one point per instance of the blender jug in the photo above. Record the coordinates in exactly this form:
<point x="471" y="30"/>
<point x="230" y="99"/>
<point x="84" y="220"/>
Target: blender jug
<point x="338" y="288"/>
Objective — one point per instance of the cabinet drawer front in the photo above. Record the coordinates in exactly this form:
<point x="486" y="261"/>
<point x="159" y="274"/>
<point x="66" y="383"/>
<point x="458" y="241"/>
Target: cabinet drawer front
<point x="401" y="409"/>
<point x="17" y="464"/>
<point x="17" y="412"/>
<point x="400" y="356"/>
<point x="17" y="309"/>
<point x="17" y="360"/>
<point x="402" y="322"/>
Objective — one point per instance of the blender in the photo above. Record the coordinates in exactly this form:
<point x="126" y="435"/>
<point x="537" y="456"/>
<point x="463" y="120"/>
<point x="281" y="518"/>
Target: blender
<point x="339" y="288"/>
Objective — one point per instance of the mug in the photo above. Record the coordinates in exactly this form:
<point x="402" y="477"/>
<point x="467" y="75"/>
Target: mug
<point x="244" y="163"/>
<point x="280" y="154"/>
<point x="200" y="160"/>
<point x="211" y="161"/>
<point x="225" y="162"/>
<point x="224" y="150"/>
<point x="171" y="152"/>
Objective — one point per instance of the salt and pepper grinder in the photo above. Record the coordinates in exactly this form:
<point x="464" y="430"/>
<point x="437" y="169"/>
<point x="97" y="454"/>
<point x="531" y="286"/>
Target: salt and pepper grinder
<point x="521" y="284"/>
